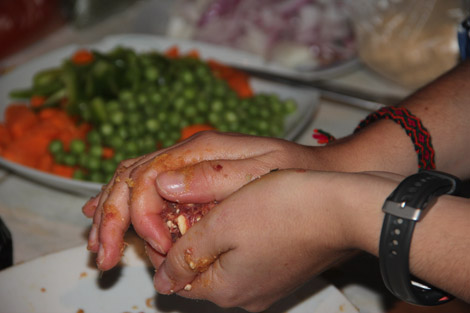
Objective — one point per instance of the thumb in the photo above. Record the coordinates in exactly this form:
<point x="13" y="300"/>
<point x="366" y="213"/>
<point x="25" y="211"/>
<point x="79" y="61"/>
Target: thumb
<point x="209" y="180"/>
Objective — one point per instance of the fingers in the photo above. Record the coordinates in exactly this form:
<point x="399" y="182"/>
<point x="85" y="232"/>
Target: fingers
<point x="154" y="256"/>
<point x="115" y="221"/>
<point x="120" y="203"/>
<point x="209" y="180"/>
<point x="90" y="206"/>
<point x="145" y="205"/>
<point x="101" y="206"/>
<point x="93" y="238"/>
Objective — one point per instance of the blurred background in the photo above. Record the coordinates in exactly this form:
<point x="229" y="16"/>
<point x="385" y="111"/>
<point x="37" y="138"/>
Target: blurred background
<point x="408" y="43"/>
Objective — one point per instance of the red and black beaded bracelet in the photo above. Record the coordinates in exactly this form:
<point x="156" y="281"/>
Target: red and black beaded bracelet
<point x="414" y="129"/>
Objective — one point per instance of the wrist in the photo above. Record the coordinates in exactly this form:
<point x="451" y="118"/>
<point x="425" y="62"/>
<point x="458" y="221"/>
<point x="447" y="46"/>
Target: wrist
<point x="361" y="209"/>
<point x="370" y="150"/>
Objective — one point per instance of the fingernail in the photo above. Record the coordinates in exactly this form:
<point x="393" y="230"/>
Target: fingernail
<point x="171" y="182"/>
<point x="92" y="239"/>
<point x="100" y="257"/>
<point x="155" y="245"/>
<point x="162" y="282"/>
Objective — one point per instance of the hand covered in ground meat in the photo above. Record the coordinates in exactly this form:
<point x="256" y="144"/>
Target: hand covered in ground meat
<point x="267" y="239"/>
<point x="207" y="167"/>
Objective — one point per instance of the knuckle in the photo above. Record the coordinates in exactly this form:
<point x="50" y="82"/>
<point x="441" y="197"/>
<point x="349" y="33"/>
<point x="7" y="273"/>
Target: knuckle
<point x="135" y="172"/>
<point x="177" y="265"/>
<point x="207" y="171"/>
<point x="207" y="135"/>
<point x="227" y="296"/>
<point x="228" y="301"/>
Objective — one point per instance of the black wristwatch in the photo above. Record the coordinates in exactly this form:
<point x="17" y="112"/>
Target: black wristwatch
<point x="403" y="208"/>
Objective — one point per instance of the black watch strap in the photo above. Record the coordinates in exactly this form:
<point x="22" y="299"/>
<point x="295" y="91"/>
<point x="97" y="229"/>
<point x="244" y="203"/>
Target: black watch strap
<point x="403" y="208"/>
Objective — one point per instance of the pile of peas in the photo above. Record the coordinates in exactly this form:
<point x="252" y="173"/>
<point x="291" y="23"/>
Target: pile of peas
<point x="170" y="95"/>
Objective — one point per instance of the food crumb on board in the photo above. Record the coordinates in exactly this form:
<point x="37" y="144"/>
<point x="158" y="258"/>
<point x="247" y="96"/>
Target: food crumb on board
<point x="80" y="311"/>
<point x="83" y="274"/>
<point x="149" y="302"/>
<point x="43" y="289"/>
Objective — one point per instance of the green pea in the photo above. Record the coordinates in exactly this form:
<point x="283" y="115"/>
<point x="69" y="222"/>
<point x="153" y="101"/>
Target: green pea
<point x="131" y="148"/>
<point x="202" y="105"/>
<point x="95" y="151"/>
<point x="125" y="95"/>
<point x="79" y="174"/>
<point x="152" y="125"/>
<point x="94" y="163"/>
<point x="93" y="137"/>
<point x="230" y="117"/>
<point x="118" y="157"/>
<point x="142" y="99"/>
<point x="152" y="73"/>
<point x="187" y="77"/>
<point x="179" y="104"/>
<point x="290" y="105"/>
<point x="190" y="111"/>
<point x="156" y="98"/>
<point x="117" y="117"/>
<point x="174" y="119"/>
<point x="106" y="129"/>
<point x="217" y="105"/>
<point x="56" y="146"/>
<point x="108" y="166"/>
<point x="116" y="141"/>
<point x="77" y="146"/>
<point x="70" y="159"/>
<point x="96" y="177"/>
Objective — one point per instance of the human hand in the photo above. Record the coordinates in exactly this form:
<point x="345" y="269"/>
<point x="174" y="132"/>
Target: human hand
<point x="208" y="166"/>
<point x="273" y="235"/>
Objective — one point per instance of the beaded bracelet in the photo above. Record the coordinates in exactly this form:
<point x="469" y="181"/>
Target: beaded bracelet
<point x="412" y="125"/>
<point x="414" y="129"/>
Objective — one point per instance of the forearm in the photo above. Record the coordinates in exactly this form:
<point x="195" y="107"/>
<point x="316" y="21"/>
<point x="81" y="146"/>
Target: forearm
<point x="444" y="109"/>
<point x="439" y="248"/>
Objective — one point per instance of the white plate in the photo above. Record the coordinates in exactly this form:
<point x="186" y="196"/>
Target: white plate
<point x="68" y="281"/>
<point x="21" y="77"/>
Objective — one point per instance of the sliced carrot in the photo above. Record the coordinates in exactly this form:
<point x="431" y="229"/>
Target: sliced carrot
<point x="193" y="54"/>
<point x="172" y="52"/>
<point x="242" y="87"/>
<point x="47" y="113"/>
<point x="37" y="101"/>
<point x="237" y="80"/>
<point x="82" y="57"/>
<point x="18" y="119"/>
<point x="5" y="137"/>
<point x="219" y="69"/>
<point x="15" y="112"/>
<point x="12" y="155"/>
<point x="26" y="150"/>
<point x="45" y="162"/>
<point x="190" y="130"/>
<point x="33" y="134"/>
<point x="63" y="170"/>
<point x="108" y="153"/>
